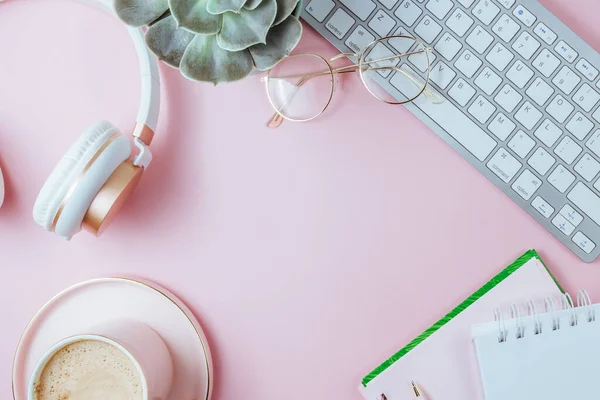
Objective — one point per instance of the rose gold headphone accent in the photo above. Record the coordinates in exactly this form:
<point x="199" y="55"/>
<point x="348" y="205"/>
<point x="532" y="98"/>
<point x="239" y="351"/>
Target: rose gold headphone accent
<point x="144" y="133"/>
<point x="77" y="181"/>
<point x="111" y="197"/>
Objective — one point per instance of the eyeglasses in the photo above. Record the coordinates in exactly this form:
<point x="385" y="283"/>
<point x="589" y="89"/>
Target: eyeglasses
<point x="301" y="86"/>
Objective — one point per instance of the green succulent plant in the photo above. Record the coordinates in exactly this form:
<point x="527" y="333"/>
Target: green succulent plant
<point x="216" y="40"/>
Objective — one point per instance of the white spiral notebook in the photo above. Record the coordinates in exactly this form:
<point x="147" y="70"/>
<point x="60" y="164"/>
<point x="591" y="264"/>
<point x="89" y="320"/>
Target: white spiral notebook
<point x="547" y="350"/>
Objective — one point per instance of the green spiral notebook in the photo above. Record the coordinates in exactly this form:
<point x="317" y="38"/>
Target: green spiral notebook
<point x="442" y="358"/>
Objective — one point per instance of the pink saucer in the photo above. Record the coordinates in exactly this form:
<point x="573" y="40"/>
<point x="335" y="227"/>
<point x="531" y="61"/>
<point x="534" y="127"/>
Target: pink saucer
<point x="91" y="302"/>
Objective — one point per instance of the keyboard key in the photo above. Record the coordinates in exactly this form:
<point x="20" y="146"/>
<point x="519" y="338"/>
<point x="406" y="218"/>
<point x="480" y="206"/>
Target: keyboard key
<point x="586" y="97"/>
<point x="563" y="225"/>
<point x="320" y="9"/>
<point x="567" y="150"/>
<point x="389" y="4"/>
<point x="526" y="184"/>
<point x="506" y="28"/>
<point x="488" y="81"/>
<point x="545" y="33"/>
<point x="565" y="51"/>
<point x="526" y="45"/>
<point x="504" y="165"/>
<point x="442" y="75"/>
<point x="459" y="22"/>
<point x="340" y="23"/>
<point x="586" y="200"/>
<point x="580" y="126"/>
<point x="499" y="57"/>
<point x="596" y="114"/>
<point x="485" y="11"/>
<point x="507" y="3"/>
<point x="548" y="132"/>
<point x="586" y="69"/>
<point x="466" y="3"/>
<point x="400" y="44"/>
<point x="546" y="63"/>
<point x="455" y="123"/>
<point x="540" y="91"/>
<point x="519" y="74"/>
<point x="502" y="126"/>
<point x="380" y="52"/>
<point x="541" y="161"/>
<point x="528" y="115"/>
<point x="382" y="23"/>
<point x="440" y="8"/>
<point x="571" y="215"/>
<point x="479" y="39"/>
<point x="524" y="15"/>
<point x="507" y="98"/>
<point x="420" y="60"/>
<point x="462" y="92"/>
<point x="561" y="178"/>
<point x="593" y="142"/>
<point x="468" y="63"/>
<point x="566" y="80"/>
<point x="521" y="144"/>
<point x="583" y="242"/>
<point x="427" y="29"/>
<point x="560" y="108"/>
<point x="482" y="109"/>
<point x="448" y="46"/>
<point x="587" y="167"/>
<point x="361" y="8"/>
<point x="542" y="207"/>
<point x="408" y="12"/>
<point x="359" y="39"/>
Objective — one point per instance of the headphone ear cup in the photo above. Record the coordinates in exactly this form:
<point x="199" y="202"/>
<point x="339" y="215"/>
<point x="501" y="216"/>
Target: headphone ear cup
<point x="67" y="178"/>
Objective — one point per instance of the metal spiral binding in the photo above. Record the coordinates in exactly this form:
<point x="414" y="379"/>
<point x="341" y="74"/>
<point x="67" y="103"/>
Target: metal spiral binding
<point x="515" y="313"/>
<point x="567" y="304"/>
<point x="537" y="323"/>
<point x="502" y="332"/>
<point x="552" y="308"/>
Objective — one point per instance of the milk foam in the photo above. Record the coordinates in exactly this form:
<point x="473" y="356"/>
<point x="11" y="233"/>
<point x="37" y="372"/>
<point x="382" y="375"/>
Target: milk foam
<point x="89" y="370"/>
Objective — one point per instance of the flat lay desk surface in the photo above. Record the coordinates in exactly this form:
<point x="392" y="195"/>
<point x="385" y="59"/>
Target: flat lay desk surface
<point x="309" y="253"/>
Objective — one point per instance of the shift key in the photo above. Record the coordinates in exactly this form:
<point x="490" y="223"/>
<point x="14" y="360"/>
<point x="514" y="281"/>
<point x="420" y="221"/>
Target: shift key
<point x="362" y="8"/>
<point x="586" y="200"/>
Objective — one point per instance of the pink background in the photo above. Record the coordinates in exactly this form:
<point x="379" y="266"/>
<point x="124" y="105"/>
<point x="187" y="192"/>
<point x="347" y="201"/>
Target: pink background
<point x="309" y="253"/>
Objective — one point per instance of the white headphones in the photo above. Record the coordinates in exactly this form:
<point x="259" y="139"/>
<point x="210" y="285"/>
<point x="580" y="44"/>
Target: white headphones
<point x="90" y="184"/>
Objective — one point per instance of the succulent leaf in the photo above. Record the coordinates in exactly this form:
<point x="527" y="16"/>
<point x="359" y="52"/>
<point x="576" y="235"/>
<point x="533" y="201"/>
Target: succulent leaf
<point x="192" y="15"/>
<point x="249" y="27"/>
<point x="140" y="12"/>
<point x="221" y="6"/>
<point x="281" y="40"/>
<point x="168" y="41"/>
<point x="252" y="4"/>
<point x="204" y="60"/>
<point x="284" y="10"/>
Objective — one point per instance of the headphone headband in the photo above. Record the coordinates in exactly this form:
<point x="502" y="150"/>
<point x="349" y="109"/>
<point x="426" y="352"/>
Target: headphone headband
<point x="150" y="97"/>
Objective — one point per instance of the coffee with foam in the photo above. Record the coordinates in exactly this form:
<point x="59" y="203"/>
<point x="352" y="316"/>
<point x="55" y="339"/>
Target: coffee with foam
<point x="89" y="370"/>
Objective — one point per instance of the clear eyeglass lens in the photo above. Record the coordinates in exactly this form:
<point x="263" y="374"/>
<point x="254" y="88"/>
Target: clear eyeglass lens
<point x="404" y="59"/>
<point x="300" y="87"/>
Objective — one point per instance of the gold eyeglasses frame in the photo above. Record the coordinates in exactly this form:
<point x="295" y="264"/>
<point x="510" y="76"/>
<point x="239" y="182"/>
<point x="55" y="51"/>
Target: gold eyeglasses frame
<point x="362" y="65"/>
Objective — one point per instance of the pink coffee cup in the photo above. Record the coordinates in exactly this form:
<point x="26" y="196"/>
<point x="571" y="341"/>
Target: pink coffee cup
<point x="142" y="345"/>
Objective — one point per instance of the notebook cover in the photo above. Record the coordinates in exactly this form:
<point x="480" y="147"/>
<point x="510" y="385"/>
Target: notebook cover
<point x="501" y="277"/>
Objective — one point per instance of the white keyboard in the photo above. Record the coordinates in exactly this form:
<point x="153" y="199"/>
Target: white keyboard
<point x="522" y="97"/>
